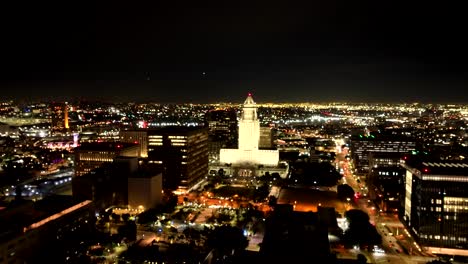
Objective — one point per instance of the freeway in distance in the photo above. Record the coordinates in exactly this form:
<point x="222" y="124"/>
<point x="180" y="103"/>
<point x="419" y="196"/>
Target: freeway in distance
<point x="36" y="188"/>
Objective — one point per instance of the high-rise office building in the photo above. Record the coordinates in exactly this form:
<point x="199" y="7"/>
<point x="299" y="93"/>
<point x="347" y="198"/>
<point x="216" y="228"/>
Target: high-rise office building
<point x="361" y="146"/>
<point x="89" y="156"/>
<point x="182" y="153"/>
<point x="59" y="116"/>
<point x="222" y="124"/>
<point x="385" y="179"/>
<point x="435" y="208"/>
<point x="222" y="131"/>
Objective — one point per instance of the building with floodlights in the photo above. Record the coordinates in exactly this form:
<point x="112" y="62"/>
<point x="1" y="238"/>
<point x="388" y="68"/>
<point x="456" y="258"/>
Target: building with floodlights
<point x="249" y="138"/>
<point x="249" y="159"/>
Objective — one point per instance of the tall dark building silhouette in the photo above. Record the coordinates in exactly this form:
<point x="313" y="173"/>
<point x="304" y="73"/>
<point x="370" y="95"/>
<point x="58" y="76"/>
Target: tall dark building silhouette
<point x="222" y="124"/>
<point x="222" y="131"/>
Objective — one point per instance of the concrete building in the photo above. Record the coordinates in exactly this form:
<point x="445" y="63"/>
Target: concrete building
<point x="248" y="151"/>
<point x="435" y="208"/>
<point x="144" y="190"/>
<point x="89" y="156"/>
<point x="120" y="183"/>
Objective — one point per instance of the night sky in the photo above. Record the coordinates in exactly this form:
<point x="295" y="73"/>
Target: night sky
<point x="358" y="51"/>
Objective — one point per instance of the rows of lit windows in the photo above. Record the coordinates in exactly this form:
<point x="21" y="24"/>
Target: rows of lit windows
<point x="445" y="178"/>
<point x="438" y="237"/>
<point x="455" y="200"/>
<point x="96" y="159"/>
<point x="95" y="156"/>
<point x="394" y="173"/>
<point x="178" y="140"/>
<point x="455" y="204"/>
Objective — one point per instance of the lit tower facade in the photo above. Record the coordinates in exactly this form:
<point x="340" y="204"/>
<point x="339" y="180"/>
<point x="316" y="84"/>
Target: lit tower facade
<point x="65" y="116"/>
<point x="249" y="126"/>
<point x="59" y="116"/>
<point x="249" y="137"/>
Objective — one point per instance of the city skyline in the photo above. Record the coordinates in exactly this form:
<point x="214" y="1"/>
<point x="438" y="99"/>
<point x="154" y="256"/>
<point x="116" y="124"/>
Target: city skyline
<point x="320" y="52"/>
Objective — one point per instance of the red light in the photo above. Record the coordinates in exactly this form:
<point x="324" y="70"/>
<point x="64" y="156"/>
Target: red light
<point x="249" y="94"/>
<point x="426" y="170"/>
<point x="405" y="158"/>
<point x="136" y="142"/>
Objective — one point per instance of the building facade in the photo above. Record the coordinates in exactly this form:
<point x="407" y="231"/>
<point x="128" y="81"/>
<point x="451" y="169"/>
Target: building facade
<point x="221" y="124"/>
<point x="181" y="153"/>
<point x="222" y="131"/>
<point x="435" y="207"/>
<point x="139" y="137"/>
<point x="361" y="146"/>
<point x="266" y="138"/>
<point x="59" y="116"/>
<point x="144" y="190"/>
<point x="385" y="180"/>
<point x="89" y="156"/>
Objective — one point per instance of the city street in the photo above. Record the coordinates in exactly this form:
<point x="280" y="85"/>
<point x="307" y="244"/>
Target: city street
<point x="397" y="243"/>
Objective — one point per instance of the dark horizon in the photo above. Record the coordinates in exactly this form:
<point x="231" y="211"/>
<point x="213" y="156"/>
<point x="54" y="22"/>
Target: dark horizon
<point x="201" y="53"/>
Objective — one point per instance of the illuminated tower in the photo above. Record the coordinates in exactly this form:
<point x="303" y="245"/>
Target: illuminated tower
<point x="65" y="116"/>
<point x="249" y="137"/>
<point x="249" y="126"/>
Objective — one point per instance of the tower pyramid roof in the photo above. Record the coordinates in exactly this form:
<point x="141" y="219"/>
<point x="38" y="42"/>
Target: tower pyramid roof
<point x="249" y="100"/>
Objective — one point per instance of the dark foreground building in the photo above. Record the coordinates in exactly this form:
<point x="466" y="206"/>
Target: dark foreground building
<point x="42" y="231"/>
<point x="295" y="237"/>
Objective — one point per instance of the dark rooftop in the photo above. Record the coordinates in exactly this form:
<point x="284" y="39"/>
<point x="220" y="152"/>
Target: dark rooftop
<point x="170" y="130"/>
<point x="104" y="146"/>
<point x="440" y="167"/>
<point x="381" y="137"/>
<point x="22" y="213"/>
